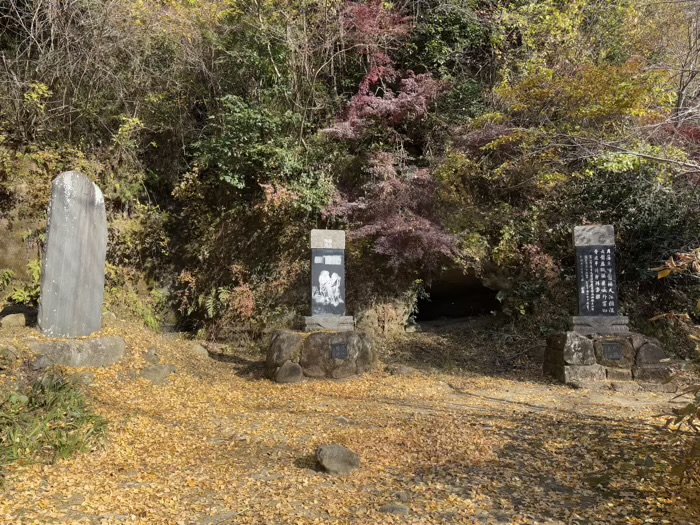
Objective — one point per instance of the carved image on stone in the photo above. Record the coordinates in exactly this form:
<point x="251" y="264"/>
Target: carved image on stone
<point x="72" y="282"/>
<point x="328" y="289"/>
<point x="327" y="282"/>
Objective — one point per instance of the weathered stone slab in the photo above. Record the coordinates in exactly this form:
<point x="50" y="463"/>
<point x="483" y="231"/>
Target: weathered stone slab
<point x="104" y="351"/>
<point x="659" y="373"/>
<point x="591" y="325"/>
<point x="618" y="374"/>
<point x="614" y="351"/>
<point x="328" y="239"/>
<point x="72" y="283"/>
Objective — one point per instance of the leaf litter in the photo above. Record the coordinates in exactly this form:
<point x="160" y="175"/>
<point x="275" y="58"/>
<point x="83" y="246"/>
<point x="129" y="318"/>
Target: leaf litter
<point x="217" y="444"/>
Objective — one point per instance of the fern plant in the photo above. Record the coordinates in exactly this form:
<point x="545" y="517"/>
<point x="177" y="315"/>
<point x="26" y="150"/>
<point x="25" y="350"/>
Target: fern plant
<point x="30" y="292"/>
<point x="6" y="277"/>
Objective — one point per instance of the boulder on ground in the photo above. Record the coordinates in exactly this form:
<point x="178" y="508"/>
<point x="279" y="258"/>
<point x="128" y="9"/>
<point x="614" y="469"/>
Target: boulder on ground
<point x="395" y="508"/>
<point x="8" y="356"/>
<point x="289" y="372"/>
<point x="199" y="350"/>
<point x="158" y="374"/>
<point x="13" y="321"/>
<point x="402" y="370"/>
<point x="103" y="351"/>
<point x="337" y="460"/>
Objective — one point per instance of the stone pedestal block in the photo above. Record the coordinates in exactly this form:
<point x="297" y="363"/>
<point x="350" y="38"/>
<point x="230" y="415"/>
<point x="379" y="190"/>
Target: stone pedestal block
<point x="592" y="324"/>
<point x="618" y="374"/>
<point x="583" y="374"/>
<point x="586" y="360"/>
<point x="333" y="323"/>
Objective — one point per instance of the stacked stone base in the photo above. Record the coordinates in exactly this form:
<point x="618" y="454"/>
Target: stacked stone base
<point x="293" y="355"/>
<point x="623" y="362"/>
<point x="333" y="323"/>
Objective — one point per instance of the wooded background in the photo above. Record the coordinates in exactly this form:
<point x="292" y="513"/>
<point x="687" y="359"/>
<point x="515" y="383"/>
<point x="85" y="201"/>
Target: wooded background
<point x="460" y="134"/>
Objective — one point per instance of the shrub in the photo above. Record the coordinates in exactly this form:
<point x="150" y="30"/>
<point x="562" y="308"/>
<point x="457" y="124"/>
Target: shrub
<point x="51" y="421"/>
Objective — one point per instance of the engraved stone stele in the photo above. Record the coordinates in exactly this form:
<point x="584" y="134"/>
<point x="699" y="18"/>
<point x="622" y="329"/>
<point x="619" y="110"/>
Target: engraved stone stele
<point x="72" y="282"/>
<point x="328" y="283"/>
<point x="597" y="282"/>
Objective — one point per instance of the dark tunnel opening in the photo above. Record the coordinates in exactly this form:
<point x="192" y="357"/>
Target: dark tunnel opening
<point x="455" y="295"/>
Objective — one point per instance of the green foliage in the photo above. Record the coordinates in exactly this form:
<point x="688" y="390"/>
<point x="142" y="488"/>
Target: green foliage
<point x="29" y="293"/>
<point x="248" y="144"/>
<point x="6" y="277"/>
<point x="128" y="295"/>
<point x="50" y="421"/>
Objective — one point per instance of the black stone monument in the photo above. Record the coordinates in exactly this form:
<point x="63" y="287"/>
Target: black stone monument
<point x="328" y="306"/>
<point x="597" y="281"/>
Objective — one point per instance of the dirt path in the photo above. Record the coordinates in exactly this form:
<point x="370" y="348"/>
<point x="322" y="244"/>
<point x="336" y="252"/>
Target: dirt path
<point x="219" y="445"/>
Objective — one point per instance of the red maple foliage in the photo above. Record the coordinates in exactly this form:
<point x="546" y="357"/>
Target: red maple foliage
<point x="400" y="215"/>
<point x="385" y="99"/>
<point x="372" y="26"/>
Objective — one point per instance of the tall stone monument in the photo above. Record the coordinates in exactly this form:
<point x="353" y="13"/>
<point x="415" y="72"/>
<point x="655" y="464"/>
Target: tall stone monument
<point x="601" y="352"/>
<point x="597" y="282"/>
<point x="72" y="282"/>
<point x="328" y="283"/>
<point x="333" y="349"/>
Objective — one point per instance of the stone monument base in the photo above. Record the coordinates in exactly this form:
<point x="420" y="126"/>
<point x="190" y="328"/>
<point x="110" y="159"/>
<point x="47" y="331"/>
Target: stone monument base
<point x="334" y="355"/>
<point x="334" y="323"/>
<point x="618" y="361"/>
<point x="601" y="324"/>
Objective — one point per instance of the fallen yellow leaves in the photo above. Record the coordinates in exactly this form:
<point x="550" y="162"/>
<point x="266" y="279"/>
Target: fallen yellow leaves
<point x="212" y="447"/>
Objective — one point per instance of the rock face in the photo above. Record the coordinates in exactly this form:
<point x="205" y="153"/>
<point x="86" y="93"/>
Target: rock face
<point x="72" y="282"/>
<point x="337" y="460"/>
<point x="333" y="355"/>
<point x="104" y="351"/>
<point x="650" y="353"/>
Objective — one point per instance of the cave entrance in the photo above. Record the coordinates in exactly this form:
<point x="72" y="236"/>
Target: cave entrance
<point x="455" y="294"/>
